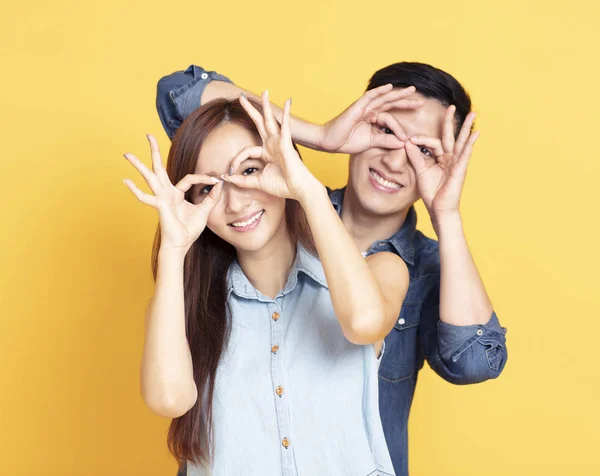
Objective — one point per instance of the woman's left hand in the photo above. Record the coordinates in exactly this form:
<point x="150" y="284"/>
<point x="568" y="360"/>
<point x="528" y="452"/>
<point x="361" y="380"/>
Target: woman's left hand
<point x="284" y="174"/>
<point x="441" y="166"/>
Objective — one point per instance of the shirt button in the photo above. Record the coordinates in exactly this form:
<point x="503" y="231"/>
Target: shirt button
<point x="285" y="442"/>
<point x="479" y="332"/>
<point x="279" y="391"/>
<point x="274" y="349"/>
<point x="401" y="321"/>
<point x="204" y="75"/>
<point x="275" y="316"/>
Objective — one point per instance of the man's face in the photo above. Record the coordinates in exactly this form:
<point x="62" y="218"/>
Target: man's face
<point x="382" y="180"/>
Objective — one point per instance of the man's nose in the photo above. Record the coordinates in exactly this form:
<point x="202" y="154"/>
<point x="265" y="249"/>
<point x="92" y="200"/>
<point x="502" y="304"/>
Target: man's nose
<point x="395" y="160"/>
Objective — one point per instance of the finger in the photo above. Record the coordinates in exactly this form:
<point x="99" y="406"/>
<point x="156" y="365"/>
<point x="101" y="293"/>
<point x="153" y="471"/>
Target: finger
<point x="194" y="179"/>
<point x="468" y="149"/>
<point x="386" y="141"/>
<point x="405" y="104"/>
<point x="448" y="130"/>
<point x="430" y="142"/>
<point x="141" y="196"/>
<point x="285" y="122"/>
<point x="256" y="116"/>
<point x="148" y="175"/>
<point x="157" y="165"/>
<point x="378" y="91"/>
<point x="465" y="133"/>
<point x="243" y="181"/>
<point x="415" y="158"/>
<point x="270" y="122"/>
<point x="254" y="152"/>
<point x="210" y="201"/>
<point x="390" y="97"/>
<point x="385" y="119"/>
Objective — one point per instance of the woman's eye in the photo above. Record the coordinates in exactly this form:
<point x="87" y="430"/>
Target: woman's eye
<point x="425" y="151"/>
<point x="206" y="190"/>
<point x="386" y="130"/>
<point x="249" y="171"/>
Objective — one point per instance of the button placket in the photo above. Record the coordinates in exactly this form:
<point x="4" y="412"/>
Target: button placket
<point x="278" y="325"/>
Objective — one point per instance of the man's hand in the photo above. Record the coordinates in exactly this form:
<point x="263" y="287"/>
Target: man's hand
<point x="353" y="130"/>
<point x="441" y="166"/>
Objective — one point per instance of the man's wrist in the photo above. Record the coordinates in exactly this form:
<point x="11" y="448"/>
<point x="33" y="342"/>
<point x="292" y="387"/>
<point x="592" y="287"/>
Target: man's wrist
<point x="447" y="223"/>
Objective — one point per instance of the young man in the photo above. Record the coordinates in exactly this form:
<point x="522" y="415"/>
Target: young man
<point x="404" y="145"/>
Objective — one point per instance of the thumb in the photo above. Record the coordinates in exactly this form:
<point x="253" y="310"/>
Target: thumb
<point x="415" y="157"/>
<point x="243" y="181"/>
<point x="210" y="202"/>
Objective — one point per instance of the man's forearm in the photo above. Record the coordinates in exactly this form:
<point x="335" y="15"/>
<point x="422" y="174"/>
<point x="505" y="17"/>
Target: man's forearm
<point x="463" y="298"/>
<point x="303" y="132"/>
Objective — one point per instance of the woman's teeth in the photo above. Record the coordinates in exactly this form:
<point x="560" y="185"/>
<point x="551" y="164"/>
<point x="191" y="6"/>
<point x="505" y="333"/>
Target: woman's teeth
<point x="248" y="222"/>
<point x="386" y="183"/>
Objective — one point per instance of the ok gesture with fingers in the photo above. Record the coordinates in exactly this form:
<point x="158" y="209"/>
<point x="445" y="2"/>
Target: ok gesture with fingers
<point x="181" y="222"/>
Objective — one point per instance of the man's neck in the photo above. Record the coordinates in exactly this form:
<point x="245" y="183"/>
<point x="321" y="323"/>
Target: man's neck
<point x="268" y="268"/>
<point x="366" y="228"/>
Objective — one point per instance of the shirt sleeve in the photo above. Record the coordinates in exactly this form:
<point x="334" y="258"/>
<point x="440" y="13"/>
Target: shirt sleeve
<point x="179" y="94"/>
<point x="462" y="355"/>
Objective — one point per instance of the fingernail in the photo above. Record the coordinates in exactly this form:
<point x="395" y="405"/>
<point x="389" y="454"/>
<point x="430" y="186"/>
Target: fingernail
<point x="125" y="181"/>
<point x="215" y="179"/>
<point x="125" y="155"/>
<point x="243" y="95"/>
<point x="290" y="101"/>
<point x="230" y="171"/>
<point x="224" y="177"/>
<point x="267" y="92"/>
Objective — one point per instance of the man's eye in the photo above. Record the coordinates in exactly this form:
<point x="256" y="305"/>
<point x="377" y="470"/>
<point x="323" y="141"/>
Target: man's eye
<point x="425" y="151"/>
<point x="249" y="171"/>
<point x="386" y="130"/>
<point x="206" y="190"/>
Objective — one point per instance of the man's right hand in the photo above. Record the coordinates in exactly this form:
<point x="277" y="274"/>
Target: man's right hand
<point x="356" y="129"/>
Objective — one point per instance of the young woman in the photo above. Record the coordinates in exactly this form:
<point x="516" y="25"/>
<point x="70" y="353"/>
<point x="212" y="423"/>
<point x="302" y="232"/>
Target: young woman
<point x="263" y="355"/>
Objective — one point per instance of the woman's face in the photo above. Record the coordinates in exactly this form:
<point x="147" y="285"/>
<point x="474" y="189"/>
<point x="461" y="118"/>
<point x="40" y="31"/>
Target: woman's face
<point x="247" y="219"/>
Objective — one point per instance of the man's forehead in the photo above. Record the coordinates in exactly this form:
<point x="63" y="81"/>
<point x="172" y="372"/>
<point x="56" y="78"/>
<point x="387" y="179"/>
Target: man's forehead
<point x="426" y="120"/>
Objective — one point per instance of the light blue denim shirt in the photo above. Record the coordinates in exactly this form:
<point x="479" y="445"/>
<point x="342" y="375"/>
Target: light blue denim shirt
<point x="292" y="395"/>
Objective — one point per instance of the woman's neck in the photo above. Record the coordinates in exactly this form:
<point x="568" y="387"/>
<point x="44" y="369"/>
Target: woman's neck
<point x="267" y="269"/>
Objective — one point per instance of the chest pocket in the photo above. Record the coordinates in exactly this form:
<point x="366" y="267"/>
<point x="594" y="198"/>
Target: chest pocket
<point x="399" y="361"/>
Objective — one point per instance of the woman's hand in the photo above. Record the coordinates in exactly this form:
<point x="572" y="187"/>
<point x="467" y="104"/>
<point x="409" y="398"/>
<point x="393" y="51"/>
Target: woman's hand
<point x="181" y="222"/>
<point x="441" y="166"/>
<point x="284" y="174"/>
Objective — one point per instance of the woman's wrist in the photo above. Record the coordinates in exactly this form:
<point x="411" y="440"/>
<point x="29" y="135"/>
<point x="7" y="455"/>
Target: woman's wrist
<point x="313" y="196"/>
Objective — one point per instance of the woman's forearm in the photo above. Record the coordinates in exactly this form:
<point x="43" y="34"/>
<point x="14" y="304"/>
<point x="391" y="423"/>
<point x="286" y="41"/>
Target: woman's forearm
<point x="357" y="299"/>
<point x="167" y="378"/>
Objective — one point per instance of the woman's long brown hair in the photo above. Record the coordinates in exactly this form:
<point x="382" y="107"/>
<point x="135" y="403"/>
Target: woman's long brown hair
<point x="206" y="264"/>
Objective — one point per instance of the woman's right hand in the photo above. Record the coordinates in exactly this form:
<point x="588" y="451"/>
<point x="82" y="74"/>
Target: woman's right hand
<point x="181" y="222"/>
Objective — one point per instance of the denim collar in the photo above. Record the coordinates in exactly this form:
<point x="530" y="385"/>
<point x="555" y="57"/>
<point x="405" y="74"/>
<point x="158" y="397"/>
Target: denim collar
<point x="403" y="240"/>
<point x="305" y="262"/>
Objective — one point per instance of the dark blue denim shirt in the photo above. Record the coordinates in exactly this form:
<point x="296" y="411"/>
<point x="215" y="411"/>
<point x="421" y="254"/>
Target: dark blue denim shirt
<point x="459" y="354"/>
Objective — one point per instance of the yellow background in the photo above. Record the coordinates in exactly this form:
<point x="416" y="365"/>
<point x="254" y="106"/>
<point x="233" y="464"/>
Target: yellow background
<point x="77" y="90"/>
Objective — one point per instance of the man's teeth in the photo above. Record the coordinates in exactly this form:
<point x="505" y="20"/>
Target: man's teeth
<point x="386" y="183"/>
<point x="249" y="222"/>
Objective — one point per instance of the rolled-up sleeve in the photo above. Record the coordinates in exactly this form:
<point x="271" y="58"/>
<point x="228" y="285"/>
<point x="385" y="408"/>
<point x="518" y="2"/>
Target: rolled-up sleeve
<point x="463" y="355"/>
<point x="179" y="94"/>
